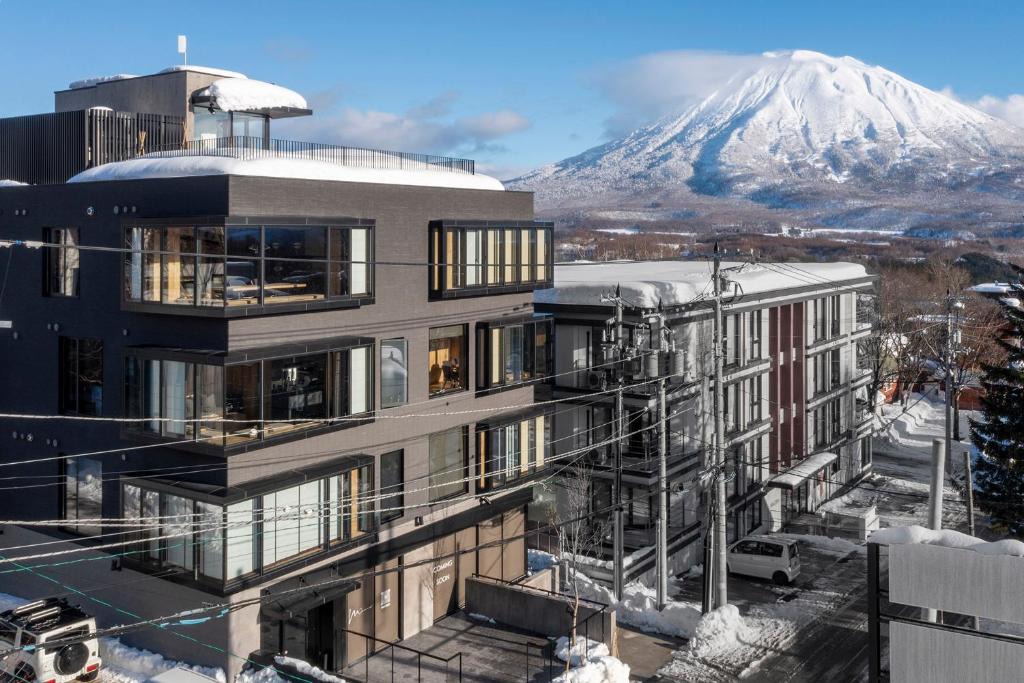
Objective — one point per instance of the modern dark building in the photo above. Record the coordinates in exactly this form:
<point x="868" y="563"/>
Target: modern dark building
<point x="795" y="413"/>
<point x="293" y="379"/>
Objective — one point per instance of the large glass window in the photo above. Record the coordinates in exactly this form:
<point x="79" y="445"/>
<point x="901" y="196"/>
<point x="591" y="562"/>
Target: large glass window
<point x="392" y="483"/>
<point x="509" y="354"/>
<point x="510" y="451"/>
<point x="81" y="373"/>
<point x="447" y="358"/>
<point x="62" y="263"/>
<point x="471" y="258"/>
<point x="447" y="464"/>
<point x="236" y="403"/>
<point x="83" y="495"/>
<point x="394" y="373"/>
<point x="246" y="265"/>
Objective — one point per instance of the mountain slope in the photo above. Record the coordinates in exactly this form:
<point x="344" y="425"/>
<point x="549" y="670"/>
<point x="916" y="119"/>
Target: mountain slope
<point x="802" y="130"/>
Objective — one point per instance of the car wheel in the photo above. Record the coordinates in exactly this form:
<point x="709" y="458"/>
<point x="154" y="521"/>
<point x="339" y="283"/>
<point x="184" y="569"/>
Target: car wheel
<point x="780" y="579"/>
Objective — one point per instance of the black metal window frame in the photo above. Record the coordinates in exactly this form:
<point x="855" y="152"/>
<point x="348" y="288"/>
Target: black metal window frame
<point x="260" y="358"/>
<point x="392" y="495"/>
<point x="461" y="472"/>
<point x="261" y="307"/>
<point x="55" y="263"/>
<point x="70" y="354"/>
<point x="492" y="456"/>
<point x="542" y="365"/>
<point x="494" y="273"/>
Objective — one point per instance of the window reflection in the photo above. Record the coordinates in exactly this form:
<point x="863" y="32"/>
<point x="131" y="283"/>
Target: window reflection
<point x="446" y="359"/>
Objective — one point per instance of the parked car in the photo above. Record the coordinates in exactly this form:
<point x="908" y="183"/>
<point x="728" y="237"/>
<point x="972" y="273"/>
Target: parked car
<point x="765" y="557"/>
<point x="74" y="655"/>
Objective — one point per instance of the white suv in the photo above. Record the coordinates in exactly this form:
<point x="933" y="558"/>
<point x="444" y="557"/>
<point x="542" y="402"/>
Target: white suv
<point x="74" y="655"/>
<point x="766" y="557"/>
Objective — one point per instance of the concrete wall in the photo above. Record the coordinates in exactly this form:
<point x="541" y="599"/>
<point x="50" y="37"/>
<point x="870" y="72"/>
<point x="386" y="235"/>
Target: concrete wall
<point x="537" y="612"/>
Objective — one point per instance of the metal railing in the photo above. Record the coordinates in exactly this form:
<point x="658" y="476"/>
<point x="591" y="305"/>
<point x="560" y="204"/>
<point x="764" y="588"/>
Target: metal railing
<point x="447" y="662"/>
<point x="249" y="148"/>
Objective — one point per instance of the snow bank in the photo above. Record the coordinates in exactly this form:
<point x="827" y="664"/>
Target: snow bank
<point x="482" y="617"/>
<point x="948" y="538"/>
<point x="718" y="630"/>
<point x="243" y="94"/>
<point x="599" y="670"/>
<point x="638" y="608"/>
<point x="838" y="545"/>
<point x="583" y="650"/>
<point x="538" y="560"/>
<point x="180" y="167"/>
<point x="307" y="669"/>
<point x="126" y="664"/>
<point x="4" y="182"/>
<point x="674" y="283"/>
<point x="270" y="675"/>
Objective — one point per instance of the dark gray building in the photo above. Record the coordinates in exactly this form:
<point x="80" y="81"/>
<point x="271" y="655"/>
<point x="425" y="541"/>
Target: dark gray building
<point x="293" y="379"/>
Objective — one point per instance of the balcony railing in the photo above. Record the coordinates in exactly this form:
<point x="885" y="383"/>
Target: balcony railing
<point x="250" y="148"/>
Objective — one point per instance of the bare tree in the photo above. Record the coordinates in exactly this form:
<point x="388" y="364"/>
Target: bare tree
<point x="580" y="533"/>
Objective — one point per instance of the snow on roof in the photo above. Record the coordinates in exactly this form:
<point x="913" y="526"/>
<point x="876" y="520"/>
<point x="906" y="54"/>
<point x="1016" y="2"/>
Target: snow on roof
<point x="947" y="538"/>
<point x="645" y="283"/>
<point x="991" y="288"/>
<point x="795" y="476"/>
<point x="275" y="167"/>
<point x="243" y="94"/>
<point x="4" y="182"/>
<point x="96" y="80"/>
<point x="213" y="71"/>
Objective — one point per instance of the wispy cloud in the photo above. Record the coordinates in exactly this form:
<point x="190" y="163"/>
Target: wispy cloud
<point x="425" y="127"/>
<point x="1009" y="108"/>
<point x="651" y="86"/>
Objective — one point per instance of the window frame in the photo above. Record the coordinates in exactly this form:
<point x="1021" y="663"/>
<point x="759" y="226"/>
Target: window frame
<point x="396" y="498"/>
<point x="57" y="258"/>
<point x="64" y="344"/>
<point x="464" y="367"/>
<point x="542" y="364"/>
<point x="463" y="473"/>
<point x="384" y="404"/>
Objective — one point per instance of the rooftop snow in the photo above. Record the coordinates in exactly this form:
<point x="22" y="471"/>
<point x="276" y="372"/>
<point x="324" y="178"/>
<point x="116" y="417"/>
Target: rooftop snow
<point x="243" y="94"/>
<point x="645" y="283"/>
<point x="4" y="182"/>
<point x="96" y="80"/>
<point x="270" y="167"/>
<point x="947" y="538"/>
<point x="795" y="476"/>
<point x="992" y="288"/>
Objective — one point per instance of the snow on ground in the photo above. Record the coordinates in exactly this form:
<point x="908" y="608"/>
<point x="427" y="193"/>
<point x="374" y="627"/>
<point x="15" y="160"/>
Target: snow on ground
<point x="597" y="670"/>
<point x="584" y="649"/>
<point x="538" y="560"/>
<point x="840" y="546"/>
<point x="638" y="608"/>
<point x="4" y="182"/>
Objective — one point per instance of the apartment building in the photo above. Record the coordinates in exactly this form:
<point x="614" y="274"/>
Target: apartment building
<point x="293" y="380"/>
<point x="794" y="405"/>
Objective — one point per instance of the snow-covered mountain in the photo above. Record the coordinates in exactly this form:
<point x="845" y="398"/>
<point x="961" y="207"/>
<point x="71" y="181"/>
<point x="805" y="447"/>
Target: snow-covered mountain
<point x="803" y="130"/>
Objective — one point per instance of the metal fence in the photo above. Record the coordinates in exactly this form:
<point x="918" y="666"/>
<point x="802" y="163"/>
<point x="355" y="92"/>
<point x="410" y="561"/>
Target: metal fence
<point x="249" y="148"/>
<point x="402" y="659"/>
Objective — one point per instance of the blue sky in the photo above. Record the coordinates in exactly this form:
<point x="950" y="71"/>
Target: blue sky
<point x="514" y="85"/>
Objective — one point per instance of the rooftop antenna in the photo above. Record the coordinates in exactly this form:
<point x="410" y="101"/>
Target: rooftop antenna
<point x="183" y="48"/>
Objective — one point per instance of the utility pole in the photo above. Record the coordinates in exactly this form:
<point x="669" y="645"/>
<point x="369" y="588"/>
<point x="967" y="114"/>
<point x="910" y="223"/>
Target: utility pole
<point x="719" y="570"/>
<point x="949" y="379"/>
<point x="662" y="541"/>
<point x="935" y="499"/>
<point x="969" y="486"/>
<point x="618" y="353"/>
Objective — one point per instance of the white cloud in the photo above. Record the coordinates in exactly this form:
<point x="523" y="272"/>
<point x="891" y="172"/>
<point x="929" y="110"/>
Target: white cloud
<point x="651" y="86"/>
<point x="426" y="127"/>
<point x="1009" y="108"/>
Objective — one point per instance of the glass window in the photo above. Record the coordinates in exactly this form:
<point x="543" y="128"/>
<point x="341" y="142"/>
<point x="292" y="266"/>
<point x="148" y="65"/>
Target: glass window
<point x="177" y="531"/>
<point x="513" y="450"/>
<point x="253" y="127"/>
<point x="360" y="386"/>
<point x="178" y="275"/>
<point x="294" y="391"/>
<point x="240" y="539"/>
<point x="447" y="464"/>
<point x="392" y="477"/>
<point x="62" y="263"/>
<point x="474" y="258"/>
<point x="210" y="540"/>
<point x="447" y="359"/>
<point x="81" y="384"/>
<point x="241" y="402"/>
<point x="211" y="125"/>
<point x="542" y="254"/>
<point x="512" y="354"/>
<point x="83" y="495"/>
<point x="360" y="261"/>
<point x="394" y="373"/>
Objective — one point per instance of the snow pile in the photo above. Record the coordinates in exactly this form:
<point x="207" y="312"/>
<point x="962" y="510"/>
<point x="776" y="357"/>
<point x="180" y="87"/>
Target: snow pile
<point x="269" y="674"/>
<point x="180" y="167"/>
<point x="96" y="80"/>
<point x="482" y="617"/>
<point x="538" y="560"/>
<point x="638" y="608"/>
<point x="948" y="538"/>
<point x="674" y="283"/>
<point x="243" y="94"/>
<point x="717" y="631"/>
<point x="826" y="543"/>
<point x="583" y="650"/>
<point x="307" y="669"/>
<point x="597" y="670"/>
<point x="126" y="664"/>
<point x="4" y="182"/>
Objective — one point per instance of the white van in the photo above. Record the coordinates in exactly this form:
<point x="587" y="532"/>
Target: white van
<point x="766" y="557"/>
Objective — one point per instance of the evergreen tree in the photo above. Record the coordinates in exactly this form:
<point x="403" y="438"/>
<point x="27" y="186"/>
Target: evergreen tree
<point x="999" y="474"/>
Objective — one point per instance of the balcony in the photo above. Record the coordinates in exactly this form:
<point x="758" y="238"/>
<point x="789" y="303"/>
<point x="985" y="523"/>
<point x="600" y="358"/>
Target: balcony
<point x="248" y="148"/>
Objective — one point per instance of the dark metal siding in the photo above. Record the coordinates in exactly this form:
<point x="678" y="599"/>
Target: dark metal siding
<point x="47" y="149"/>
